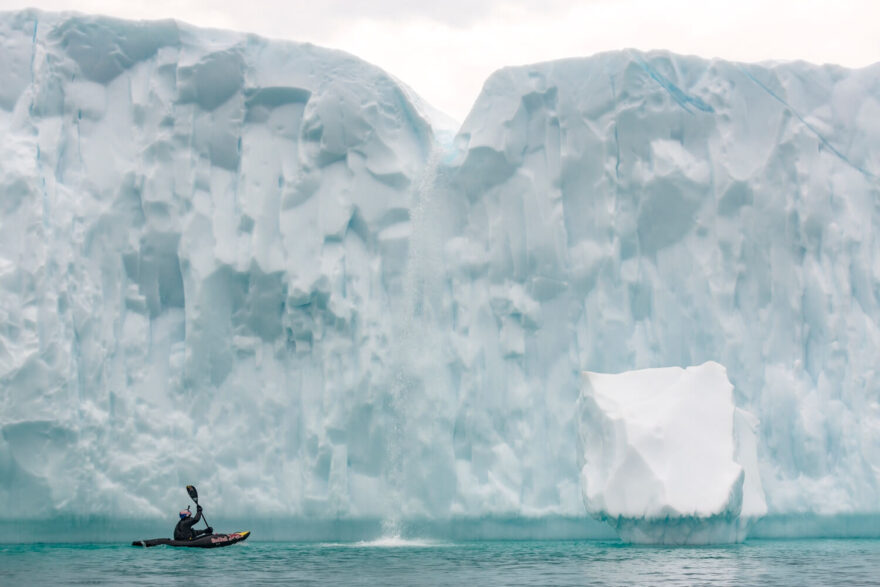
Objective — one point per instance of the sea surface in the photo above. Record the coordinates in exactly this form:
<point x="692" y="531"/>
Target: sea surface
<point x="412" y="562"/>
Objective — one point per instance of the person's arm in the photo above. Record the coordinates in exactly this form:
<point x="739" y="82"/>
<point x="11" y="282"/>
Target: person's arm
<point x="206" y="531"/>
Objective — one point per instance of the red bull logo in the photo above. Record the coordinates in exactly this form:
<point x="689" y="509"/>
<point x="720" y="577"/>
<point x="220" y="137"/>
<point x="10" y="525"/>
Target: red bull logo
<point x="221" y="538"/>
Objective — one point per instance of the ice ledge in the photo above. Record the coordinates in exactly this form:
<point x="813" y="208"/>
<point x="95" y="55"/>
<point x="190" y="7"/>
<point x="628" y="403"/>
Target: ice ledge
<point x="667" y="458"/>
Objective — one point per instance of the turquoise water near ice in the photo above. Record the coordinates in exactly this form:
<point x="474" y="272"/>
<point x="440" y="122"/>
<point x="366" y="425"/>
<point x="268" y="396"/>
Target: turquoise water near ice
<point x="398" y="562"/>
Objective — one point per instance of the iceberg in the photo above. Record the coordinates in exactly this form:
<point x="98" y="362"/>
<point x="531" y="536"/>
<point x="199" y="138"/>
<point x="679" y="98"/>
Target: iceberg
<point x="667" y="458"/>
<point x="272" y="270"/>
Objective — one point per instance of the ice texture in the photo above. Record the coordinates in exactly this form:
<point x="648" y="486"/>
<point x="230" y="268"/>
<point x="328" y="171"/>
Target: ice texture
<point x="256" y="266"/>
<point x="637" y="210"/>
<point x="201" y="235"/>
<point x="667" y="457"/>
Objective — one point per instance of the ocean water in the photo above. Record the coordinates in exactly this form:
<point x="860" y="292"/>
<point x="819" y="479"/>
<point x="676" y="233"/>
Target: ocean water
<point x="405" y="562"/>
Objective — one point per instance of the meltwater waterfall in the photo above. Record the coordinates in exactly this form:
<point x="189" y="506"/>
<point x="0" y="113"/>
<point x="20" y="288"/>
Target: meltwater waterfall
<point x="415" y="361"/>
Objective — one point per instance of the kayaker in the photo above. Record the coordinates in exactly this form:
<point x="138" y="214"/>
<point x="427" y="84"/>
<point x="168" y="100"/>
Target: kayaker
<point x="184" y="529"/>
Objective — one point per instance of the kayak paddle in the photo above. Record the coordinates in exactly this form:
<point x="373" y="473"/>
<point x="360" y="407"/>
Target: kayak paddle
<point x="191" y="489"/>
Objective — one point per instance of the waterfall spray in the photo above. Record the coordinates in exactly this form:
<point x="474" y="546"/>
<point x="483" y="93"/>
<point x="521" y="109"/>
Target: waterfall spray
<point x="412" y="338"/>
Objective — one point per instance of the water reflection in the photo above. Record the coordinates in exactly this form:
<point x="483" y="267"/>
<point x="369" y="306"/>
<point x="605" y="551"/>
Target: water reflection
<point x="801" y="562"/>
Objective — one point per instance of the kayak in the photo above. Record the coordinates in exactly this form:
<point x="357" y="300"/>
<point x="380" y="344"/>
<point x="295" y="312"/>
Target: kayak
<point x="211" y="541"/>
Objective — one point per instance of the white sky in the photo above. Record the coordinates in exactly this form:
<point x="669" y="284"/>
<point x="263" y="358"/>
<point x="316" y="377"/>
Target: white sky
<point x="445" y="49"/>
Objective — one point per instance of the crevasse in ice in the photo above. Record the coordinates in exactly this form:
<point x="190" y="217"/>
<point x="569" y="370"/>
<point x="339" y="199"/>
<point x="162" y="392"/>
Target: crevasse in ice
<point x="267" y="268"/>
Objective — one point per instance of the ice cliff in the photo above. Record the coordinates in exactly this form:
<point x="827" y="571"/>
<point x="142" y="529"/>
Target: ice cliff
<point x="650" y="210"/>
<point x="260" y="267"/>
<point x="202" y="233"/>
<point x="666" y="456"/>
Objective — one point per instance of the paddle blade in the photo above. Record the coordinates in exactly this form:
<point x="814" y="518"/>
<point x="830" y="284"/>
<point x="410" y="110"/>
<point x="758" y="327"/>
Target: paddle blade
<point x="193" y="493"/>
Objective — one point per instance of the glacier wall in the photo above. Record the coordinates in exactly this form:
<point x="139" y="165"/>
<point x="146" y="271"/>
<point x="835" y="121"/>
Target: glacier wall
<point x="265" y="268"/>
<point x="660" y="210"/>
<point x="202" y="233"/>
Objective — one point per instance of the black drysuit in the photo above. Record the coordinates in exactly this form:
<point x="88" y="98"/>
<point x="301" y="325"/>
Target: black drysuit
<point x="184" y="529"/>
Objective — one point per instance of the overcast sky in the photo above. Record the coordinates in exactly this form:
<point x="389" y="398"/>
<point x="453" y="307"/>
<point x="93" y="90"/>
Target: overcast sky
<point x="445" y="49"/>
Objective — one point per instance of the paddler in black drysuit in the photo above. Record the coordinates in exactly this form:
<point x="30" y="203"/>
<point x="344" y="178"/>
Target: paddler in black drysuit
<point x="184" y="529"/>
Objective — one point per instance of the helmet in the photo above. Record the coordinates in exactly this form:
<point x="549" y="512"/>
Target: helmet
<point x="185" y="513"/>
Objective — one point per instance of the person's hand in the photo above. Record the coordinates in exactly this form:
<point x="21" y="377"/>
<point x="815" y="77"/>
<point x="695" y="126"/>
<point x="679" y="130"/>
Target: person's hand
<point x="198" y="508"/>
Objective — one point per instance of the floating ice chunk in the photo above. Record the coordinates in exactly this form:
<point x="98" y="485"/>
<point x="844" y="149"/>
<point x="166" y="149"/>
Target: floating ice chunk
<point x="666" y="457"/>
